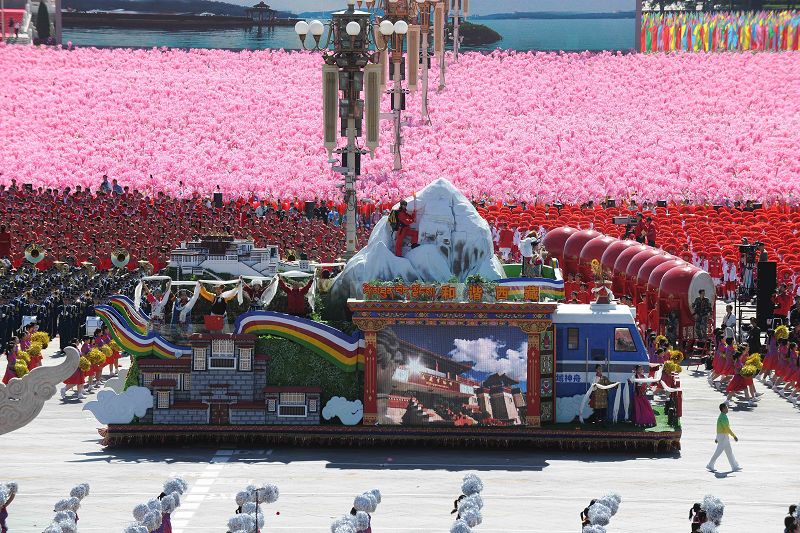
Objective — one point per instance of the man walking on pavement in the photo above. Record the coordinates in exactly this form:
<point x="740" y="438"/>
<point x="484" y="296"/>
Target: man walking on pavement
<point x="724" y="433"/>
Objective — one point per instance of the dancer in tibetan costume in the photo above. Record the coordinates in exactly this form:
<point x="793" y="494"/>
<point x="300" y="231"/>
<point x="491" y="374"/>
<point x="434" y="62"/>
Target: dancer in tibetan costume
<point x="643" y="415"/>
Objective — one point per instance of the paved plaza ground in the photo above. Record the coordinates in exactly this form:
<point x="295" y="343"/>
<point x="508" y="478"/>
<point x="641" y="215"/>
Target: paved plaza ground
<point x="525" y="491"/>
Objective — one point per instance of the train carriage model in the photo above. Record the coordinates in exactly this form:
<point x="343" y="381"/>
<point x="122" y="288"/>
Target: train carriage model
<point x="588" y="335"/>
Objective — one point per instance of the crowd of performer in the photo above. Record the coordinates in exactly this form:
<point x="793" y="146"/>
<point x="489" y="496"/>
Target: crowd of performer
<point x="771" y="31"/>
<point x="774" y="360"/>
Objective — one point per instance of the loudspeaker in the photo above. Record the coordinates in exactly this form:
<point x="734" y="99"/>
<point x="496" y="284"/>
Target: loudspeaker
<point x="218" y="200"/>
<point x="767" y="282"/>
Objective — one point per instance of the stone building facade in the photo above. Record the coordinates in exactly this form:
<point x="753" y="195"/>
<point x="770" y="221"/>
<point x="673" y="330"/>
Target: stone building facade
<point x="223" y="383"/>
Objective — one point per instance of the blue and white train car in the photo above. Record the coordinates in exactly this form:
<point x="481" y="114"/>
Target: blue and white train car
<point x="588" y="335"/>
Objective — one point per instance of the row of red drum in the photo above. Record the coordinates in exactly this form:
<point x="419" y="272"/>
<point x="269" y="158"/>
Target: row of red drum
<point x="637" y="270"/>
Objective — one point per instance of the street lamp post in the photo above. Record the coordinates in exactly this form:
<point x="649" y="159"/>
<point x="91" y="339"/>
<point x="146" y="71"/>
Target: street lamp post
<point x="349" y="68"/>
<point x="397" y="12"/>
<point x="424" y="7"/>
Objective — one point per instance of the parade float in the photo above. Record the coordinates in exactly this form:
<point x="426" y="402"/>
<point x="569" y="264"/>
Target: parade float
<point x="435" y="345"/>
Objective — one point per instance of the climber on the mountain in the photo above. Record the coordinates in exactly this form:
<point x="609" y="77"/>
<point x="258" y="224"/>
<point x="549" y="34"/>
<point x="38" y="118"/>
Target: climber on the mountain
<point x="401" y="221"/>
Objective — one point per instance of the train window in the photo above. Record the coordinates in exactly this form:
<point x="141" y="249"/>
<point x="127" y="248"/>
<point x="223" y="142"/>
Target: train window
<point x="572" y="338"/>
<point x="623" y="340"/>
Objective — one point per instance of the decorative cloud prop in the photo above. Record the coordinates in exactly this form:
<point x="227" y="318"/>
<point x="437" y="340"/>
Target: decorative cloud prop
<point x="117" y="384"/>
<point x="349" y="412"/>
<point x="567" y="408"/>
<point x="113" y="408"/>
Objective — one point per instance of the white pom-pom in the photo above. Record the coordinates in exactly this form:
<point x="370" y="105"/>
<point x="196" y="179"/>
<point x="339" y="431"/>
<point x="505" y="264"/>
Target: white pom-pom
<point x="53" y="528"/>
<point x="708" y="527"/>
<point x="68" y="526"/>
<point x="594" y="528"/>
<point x="713" y="507"/>
<point x="472" y="484"/>
<point x="154" y="504"/>
<point x="797" y="515"/>
<point x="271" y="493"/>
<point x="167" y="504"/>
<point x="4" y="496"/>
<point x="152" y="520"/>
<point x="609" y="502"/>
<point x="460" y="526"/>
<point x="67" y="504"/>
<point x="362" y="521"/>
<point x="241" y="521"/>
<point x="471" y="516"/>
<point x="599" y="514"/>
<point x="139" y="511"/>
<point x="242" y="497"/>
<point x="62" y="516"/>
<point x="344" y="524"/>
<point x="377" y="494"/>
<point x="362" y="502"/>
<point x="12" y="487"/>
<point x="249" y="508"/>
<point x="176" y="497"/>
<point x="471" y="501"/>
<point x="136" y="528"/>
<point x="175" y="484"/>
<point x="80" y="491"/>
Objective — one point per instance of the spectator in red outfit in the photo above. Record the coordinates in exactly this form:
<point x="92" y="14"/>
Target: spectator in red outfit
<point x="296" y="302"/>
<point x="5" y="242"/>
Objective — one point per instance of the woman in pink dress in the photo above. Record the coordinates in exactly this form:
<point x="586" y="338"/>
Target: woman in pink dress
<point x="643" y="415"/>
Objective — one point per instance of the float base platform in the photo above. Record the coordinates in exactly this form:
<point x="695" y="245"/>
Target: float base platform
<point x="554" y="437"/>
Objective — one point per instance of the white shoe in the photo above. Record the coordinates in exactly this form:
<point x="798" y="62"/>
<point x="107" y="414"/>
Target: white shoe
<point x="737" y="468"/>
<point x="63" y="393"/>
<point x="81" y="396"/>
<point x="710" y="468"/>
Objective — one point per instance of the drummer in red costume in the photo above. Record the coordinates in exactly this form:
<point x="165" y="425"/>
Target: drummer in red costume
<point x="404" y="221"/>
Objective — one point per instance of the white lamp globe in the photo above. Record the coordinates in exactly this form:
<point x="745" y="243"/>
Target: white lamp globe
<point x="401" y="27"/>
<point x="316" y="28"/>
<point x="353" y="28"/>
<point x="387" y="28"/>
<point x="301" y="28"/>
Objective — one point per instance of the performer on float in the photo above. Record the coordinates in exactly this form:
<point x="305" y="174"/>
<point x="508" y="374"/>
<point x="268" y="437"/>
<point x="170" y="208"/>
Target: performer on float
<point x="643" y="415"/>
<point x="739" y="382"/>
<point x="115" y="354"/>
<point x="219" y="299"/>
<point x="11" y="359"/>
<point x="599" y="398"/>
<point x="402" y="227"/>
<point x="296" y="297"/>
<point x="179" y="305"/>
<point x="527" y="245"/>
<point x="254" y="291"/>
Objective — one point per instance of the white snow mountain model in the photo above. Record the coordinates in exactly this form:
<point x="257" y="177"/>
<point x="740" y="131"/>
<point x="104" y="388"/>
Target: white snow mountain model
<point x="454" y="241"/>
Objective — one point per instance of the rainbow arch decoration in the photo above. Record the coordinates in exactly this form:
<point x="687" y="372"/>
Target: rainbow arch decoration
<point x="137" y="320"/>
<point x="343" y="350"/>
<point x="135" y="344"/>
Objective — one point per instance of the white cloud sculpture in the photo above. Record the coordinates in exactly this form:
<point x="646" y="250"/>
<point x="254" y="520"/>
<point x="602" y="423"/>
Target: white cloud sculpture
<point x="113" y="408"/>
<point x="349" y="412"/>
<point x="117" y="384"/>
